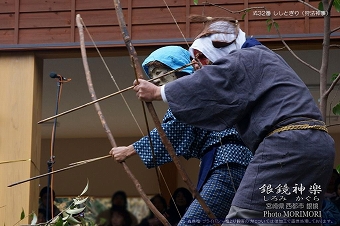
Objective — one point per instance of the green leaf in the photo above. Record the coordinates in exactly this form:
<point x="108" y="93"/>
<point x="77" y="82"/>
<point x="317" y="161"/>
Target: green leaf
<point x="57" y="221"/>
<point x="22" y="216"/>
<point x="245" y="13"/>
<point x="336" y="109"/>
<point x="269" y="27"/>
<point x="338" y="169"/>
<point x="320" y="6"/>
<point x="35" y="219"/>
<point x="65" y="217"/>
<point x="73" y="220"/>
<point x="86" y="187"/>
<point x="276" y="25"/>
<point x="102" y="221"/>
<point x="196" y="2"/>
<point x="79" y="201"/>
<point x="83" y="222"/>
<point x="75" y="211"/>
<point x="336" y="5"/>
<point x="334" y="76"/>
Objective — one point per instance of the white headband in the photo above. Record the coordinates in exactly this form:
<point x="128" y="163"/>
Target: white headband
<point x="205" y="45"/>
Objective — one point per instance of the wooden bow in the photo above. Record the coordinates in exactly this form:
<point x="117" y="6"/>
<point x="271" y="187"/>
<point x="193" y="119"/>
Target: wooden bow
<point x="139" y="75"/>
<point x="106" y="127"/>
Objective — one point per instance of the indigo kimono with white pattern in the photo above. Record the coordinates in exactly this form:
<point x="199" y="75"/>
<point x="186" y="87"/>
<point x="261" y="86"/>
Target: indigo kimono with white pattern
<point x="192" y="142"/>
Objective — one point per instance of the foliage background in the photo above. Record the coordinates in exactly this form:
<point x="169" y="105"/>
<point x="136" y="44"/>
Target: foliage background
<point x="95" y="205"/>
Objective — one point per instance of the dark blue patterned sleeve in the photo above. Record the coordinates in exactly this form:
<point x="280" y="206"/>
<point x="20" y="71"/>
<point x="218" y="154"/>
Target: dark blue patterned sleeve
<point x="187" y="141"/>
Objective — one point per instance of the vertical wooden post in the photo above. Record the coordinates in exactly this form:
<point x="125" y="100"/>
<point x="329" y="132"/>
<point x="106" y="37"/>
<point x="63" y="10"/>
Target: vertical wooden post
<point x="20" y="135"/>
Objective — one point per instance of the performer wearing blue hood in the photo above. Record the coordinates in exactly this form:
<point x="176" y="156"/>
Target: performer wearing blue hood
<point x="223" y="156"/>
<point x="250" y="86"/>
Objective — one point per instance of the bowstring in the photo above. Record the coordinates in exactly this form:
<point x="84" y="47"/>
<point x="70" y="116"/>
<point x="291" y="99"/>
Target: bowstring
<point x="112" y="78"/>
<point x="158" y="170"/>
<point x="180" y="31"/>
<point x="219" y="135"/>
<point x="171" y="196"/>
<point x="174" y="19"/>
<point x="185" y="40"/>
<point x="229" y="171"/>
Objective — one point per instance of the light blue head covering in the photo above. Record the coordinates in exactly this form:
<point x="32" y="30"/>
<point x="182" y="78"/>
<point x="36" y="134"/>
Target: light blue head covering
<point x="172" y="56"/>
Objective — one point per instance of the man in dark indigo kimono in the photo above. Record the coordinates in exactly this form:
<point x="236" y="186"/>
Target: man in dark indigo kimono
<point x="254" y="89"/>
<point x="224" y="158"/>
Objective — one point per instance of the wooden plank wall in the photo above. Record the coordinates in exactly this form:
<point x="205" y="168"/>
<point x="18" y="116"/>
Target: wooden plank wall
<point x="50" y="21"/>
